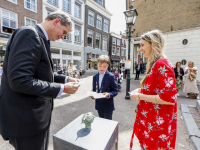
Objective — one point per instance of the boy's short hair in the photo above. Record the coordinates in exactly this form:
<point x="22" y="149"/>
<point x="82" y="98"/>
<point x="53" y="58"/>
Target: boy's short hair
<point x="104" y="59"/>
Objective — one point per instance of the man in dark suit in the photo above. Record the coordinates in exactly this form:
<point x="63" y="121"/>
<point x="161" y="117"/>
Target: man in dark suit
<point x="29" y="84"/>
<point x="138" y="69"/>
<point x="105" y="82"/>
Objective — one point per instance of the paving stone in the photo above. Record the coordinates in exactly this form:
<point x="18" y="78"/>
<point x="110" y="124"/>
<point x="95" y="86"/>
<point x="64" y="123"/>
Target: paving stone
<point x="196" y="142"/>
<point x="198" y="105"/>
<point x="184" y="108"/>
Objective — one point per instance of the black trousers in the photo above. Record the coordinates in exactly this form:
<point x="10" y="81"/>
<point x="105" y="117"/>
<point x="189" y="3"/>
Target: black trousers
<point x="38" y="142"/>
<point x="106" y="115"/>
<point x="137" y="74"/>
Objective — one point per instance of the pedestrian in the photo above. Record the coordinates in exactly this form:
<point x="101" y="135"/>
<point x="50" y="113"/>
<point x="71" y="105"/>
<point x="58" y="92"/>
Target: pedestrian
<point x="29" y="84"/>
<point x="1" y="72"/>
<point x="156" y="121"/>
<point x="190" y="86"/>
<point x="138" y="69"/>
<point x="59" y="69"/>
<point x="71" y="70"/>
<point x="179" y="73"/>
<point x="116" y="75"/>
<point x="80" y="72"/>
<point x="104" y="82"/>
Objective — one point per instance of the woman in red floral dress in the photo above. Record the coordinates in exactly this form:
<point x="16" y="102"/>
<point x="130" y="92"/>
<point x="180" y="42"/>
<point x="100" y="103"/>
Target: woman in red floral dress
<point x="156" y="121"/>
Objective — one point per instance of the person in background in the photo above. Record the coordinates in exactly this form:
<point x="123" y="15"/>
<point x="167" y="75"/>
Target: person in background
<point x="190" y="86"/>
<point x="1" y="72"/>
<point x="104" y="82"/>
<point x="80" y="72"/>
<point x="137" y="68"/>
<point x="116" y="75"/>
<point x="71" y="70"/>
<point x="179" y="73"/>
<point x="60" y="70"/>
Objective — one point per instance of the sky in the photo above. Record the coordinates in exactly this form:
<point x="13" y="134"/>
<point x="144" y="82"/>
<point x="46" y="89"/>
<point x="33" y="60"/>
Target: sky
<point x="117" y="7"/>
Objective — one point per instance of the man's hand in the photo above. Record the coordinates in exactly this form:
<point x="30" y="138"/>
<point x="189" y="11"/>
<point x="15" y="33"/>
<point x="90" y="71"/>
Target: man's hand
<point x="106" y="95"/>
<point x="71" y="88"/>
<point x="72" y="80"/>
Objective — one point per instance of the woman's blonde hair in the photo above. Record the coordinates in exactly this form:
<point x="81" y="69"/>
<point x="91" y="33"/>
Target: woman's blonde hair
<point x="192" y="63"/>
<point x="157" y="41"/>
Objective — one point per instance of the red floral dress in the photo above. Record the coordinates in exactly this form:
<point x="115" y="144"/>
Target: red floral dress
<point x="155" y="124"/>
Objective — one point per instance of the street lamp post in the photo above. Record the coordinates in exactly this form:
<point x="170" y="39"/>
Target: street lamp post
<point x="130" y="16"/>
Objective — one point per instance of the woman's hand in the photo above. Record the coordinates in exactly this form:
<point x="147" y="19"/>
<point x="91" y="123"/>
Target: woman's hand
<point x="137" y="90"/>
<point x="135" y="96"/>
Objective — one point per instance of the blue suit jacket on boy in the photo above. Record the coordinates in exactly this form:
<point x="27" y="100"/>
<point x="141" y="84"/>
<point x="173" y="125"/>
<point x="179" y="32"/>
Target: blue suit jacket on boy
<point x="109" y="85"/>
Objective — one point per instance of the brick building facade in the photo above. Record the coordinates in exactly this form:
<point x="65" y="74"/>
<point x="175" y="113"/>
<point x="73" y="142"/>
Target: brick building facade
<point x="180" y="23"/>
<point x="14" y="14"/>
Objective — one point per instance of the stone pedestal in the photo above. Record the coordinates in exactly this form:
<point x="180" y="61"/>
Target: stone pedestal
<point x="74" y="136"/>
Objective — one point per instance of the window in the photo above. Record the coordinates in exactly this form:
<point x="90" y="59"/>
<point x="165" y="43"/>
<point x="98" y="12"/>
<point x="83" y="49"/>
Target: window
<point x="185" y="41"/>
<point x="89" y="38"/>
<point x="118" y="42"/>
<point x="98" y="40"/>
<point x="13" y="1"/>
<point x="100" y="2"/>
<point x="122" y="51"/>
<point x="99" y="22"/>
<point x="54" y="2"/>
<point x="105" y="27"/>
<point x="118" y="51"/>
<point x="77" y="34"/>
<point x="114" y="40"/>
<point x="66" y="5"/>
<point x="104" y="43"/>
<point x="113" y="50"/>
<point x="77" y="10"/>
<point x="67" y="37"/>
<point x="29" y="21"/>
<point x="123" y="42"/>
<point x="9" y="21"/>
<point x="183" y="62"/>
<point x="31" y="5"/>
<point x="90" y="18"/>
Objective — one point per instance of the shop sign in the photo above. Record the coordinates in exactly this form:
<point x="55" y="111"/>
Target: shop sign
<point x="4" y="35"/>
<point x="137" y="39"/>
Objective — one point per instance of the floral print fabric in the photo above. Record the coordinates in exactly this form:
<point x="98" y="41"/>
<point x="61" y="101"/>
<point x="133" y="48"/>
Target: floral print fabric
<point x="155" y="125"/>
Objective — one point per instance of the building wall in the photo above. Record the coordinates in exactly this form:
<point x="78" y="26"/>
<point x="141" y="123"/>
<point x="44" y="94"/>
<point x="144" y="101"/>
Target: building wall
<point x="170" y="15"/>
<point x="22" y="11"/>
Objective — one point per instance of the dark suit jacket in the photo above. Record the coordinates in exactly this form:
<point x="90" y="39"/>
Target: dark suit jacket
<point x="137" y="67"/>
<point x="108" y="85"/>
<point x="181" y="72"/>
<point x="27" y="88"/>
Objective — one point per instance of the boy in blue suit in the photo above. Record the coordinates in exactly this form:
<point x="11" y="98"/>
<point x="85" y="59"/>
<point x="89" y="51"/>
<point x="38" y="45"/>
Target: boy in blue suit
<point x="104" y="82"/>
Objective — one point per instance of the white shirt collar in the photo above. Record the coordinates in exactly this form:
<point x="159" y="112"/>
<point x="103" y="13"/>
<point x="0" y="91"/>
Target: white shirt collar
<point x="44" y="31"/>
<point x="102" y="73"/>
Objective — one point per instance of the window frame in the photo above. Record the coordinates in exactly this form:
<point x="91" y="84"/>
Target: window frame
<point x="68" y="40"/>
<point x="25" y="6"/>
<point x="69" y="6"/>
<point x="53" y="4"/>
<point x="79" y="10"/>
<point x="106" y="43"/>
<point x="117" y="54"/>
<point x="104" y="25"/>
<point x="99" y="41"/>
<point x="29" y="19"/>
<point x="89" y="17"/>
<point x="12" y="1"/>
<point x="119" y="42"/>
<point x="115" y="41"/>
<point x="79" y="34"/>
<point x="115" y="50"/>
<point x="97" y="21"/>
<point x="92" y="37"/>
<point x="101" y="2"/>
<point x="16" y="15"/>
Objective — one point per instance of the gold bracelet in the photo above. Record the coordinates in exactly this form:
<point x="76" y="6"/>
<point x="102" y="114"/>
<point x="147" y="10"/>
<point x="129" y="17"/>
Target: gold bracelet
<point x="156" y="99"/>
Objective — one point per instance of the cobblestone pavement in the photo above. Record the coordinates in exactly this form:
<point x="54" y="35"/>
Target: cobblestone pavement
<point x="68" y="107"/>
